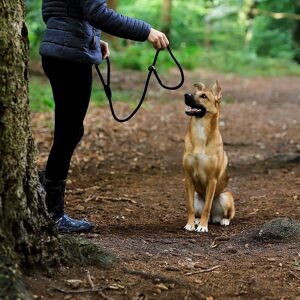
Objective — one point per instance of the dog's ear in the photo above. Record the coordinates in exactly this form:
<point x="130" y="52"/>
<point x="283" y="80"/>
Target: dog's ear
<point x="200" y="86"/>
<point x="217" y="91"/>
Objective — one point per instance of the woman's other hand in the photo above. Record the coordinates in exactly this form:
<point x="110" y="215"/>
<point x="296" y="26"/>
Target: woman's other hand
<point x="158" y="39"/>
<point x="104" y="49"/>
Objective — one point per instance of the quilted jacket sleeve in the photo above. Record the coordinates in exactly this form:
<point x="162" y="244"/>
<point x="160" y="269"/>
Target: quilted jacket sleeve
<point x="107" y="20"/>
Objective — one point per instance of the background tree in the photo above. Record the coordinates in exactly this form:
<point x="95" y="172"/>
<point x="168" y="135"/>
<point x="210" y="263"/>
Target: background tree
<point x="167" y="17"/>
<point x="26" y="234"/>
<point x="297" y="33"/>
<point x="114" y="5"/>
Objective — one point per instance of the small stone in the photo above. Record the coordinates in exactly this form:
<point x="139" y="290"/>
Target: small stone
<point x="279" y="229"/>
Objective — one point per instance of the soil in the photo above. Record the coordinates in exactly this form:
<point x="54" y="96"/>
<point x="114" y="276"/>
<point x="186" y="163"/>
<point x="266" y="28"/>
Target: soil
<point x="127" y="179"/>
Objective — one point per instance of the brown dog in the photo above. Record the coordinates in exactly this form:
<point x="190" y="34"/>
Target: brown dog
<point x="205" y="162"/>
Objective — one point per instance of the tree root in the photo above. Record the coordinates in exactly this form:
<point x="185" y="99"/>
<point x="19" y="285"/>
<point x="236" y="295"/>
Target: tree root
<point x="85" y="253"/>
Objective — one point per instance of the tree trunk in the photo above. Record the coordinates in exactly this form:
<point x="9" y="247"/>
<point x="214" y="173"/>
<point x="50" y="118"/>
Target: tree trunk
<point x="297" y="34"/>
<point x="114" y="41"/>
<point x="27" y="237"/>
<point x="167" y="17"/>
<point x="247" y="17"/>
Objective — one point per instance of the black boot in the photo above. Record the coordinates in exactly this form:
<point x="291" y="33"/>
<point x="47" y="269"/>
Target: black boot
<point x="55" y="194"/>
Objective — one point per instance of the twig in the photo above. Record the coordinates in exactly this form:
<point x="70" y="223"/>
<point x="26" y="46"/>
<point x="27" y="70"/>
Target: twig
<point x="95" y="197"/>
<point x="222" y="238"/>
<point x="276" y="15"/>
<point x="115" y="199"/>
<point x="99" y="291"/>
<point x="202" y="271"/>
<point x="83" y="190"/>
<point x="77" y="291"/>
<point x="89" y="278"/>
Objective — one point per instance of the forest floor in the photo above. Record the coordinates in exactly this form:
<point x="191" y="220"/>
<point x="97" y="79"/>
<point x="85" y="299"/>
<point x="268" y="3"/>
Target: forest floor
<point x="127" y="179"/>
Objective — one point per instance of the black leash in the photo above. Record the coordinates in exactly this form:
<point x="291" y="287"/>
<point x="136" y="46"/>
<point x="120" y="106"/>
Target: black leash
<point x="151" y="69"/>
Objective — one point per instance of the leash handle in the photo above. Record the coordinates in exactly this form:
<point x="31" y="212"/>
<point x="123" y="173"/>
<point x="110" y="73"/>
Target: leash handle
<point x="179" y="85"/>
<point x="151" y="69"/>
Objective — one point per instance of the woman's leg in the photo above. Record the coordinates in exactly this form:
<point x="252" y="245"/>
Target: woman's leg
<point x="71" y="85"/>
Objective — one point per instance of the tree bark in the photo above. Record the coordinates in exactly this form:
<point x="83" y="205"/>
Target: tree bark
<point x="27" y="237"/>
<point x="167" y="17"/>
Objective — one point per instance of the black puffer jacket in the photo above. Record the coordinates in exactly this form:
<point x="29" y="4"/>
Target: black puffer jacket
<point x="73" y="29"/>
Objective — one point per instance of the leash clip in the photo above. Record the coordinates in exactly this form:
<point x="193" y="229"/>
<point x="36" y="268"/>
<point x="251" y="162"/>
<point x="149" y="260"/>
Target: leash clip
<point x="151" y="68"/>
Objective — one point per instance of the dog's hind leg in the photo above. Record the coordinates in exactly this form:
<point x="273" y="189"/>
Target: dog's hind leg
<point x="190" y="191"/>
<point x="227" y="204"/>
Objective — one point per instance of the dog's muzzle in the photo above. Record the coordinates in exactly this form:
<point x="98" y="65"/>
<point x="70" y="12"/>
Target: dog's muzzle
<point x="193" y="109"/>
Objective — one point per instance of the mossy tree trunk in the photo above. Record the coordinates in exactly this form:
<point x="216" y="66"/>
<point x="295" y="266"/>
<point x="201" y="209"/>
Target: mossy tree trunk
<point x="27" y="237"/>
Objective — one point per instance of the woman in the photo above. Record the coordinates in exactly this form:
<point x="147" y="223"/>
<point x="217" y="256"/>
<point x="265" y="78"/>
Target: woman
<point x="70" y="46"/>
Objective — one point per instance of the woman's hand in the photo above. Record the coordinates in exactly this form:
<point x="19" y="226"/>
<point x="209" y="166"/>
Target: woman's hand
<point x="158" y="39"/>
<point x="104" y="49"/>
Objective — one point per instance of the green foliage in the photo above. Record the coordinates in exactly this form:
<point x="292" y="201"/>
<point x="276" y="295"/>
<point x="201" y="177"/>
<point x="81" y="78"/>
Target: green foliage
<point x="35" y="24"/>
<point x="40" y="95"/>
<point x="41" y="99"/>
<point x="206" y="33"/>
<point x="240" y="62"/>
<point x="274" y="38"/>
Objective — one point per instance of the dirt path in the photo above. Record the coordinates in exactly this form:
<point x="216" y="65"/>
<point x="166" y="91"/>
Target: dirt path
<point x="141" y="163"/>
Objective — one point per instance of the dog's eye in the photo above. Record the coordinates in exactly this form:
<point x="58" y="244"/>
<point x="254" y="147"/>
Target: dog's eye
<point x="203" y="96"/>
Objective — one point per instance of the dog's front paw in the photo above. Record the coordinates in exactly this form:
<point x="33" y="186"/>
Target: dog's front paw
<point x="224" y="222"/>
<point x="202" y="228"/>
<point x="189" y="227"/>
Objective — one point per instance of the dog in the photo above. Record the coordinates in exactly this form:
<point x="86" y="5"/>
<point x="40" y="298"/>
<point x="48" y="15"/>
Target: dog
<point x="205" y="162"/>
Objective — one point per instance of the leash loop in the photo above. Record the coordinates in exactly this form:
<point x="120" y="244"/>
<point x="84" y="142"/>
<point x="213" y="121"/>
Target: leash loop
<point x="151" y="69"/>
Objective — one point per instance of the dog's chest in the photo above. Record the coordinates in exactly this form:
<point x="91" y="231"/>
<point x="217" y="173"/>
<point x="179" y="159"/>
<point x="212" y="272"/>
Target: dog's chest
<point x="198" y="162"/>
<point x="200" y="133"/>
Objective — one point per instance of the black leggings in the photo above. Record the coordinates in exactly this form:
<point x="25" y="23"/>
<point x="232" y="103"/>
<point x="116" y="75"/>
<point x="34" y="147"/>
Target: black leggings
<point x="71" y="86"/>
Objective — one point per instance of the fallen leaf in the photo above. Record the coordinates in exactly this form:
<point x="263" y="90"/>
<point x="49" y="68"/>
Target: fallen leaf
<point x="162" y="287"/>
<point x="79" y="207"/>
